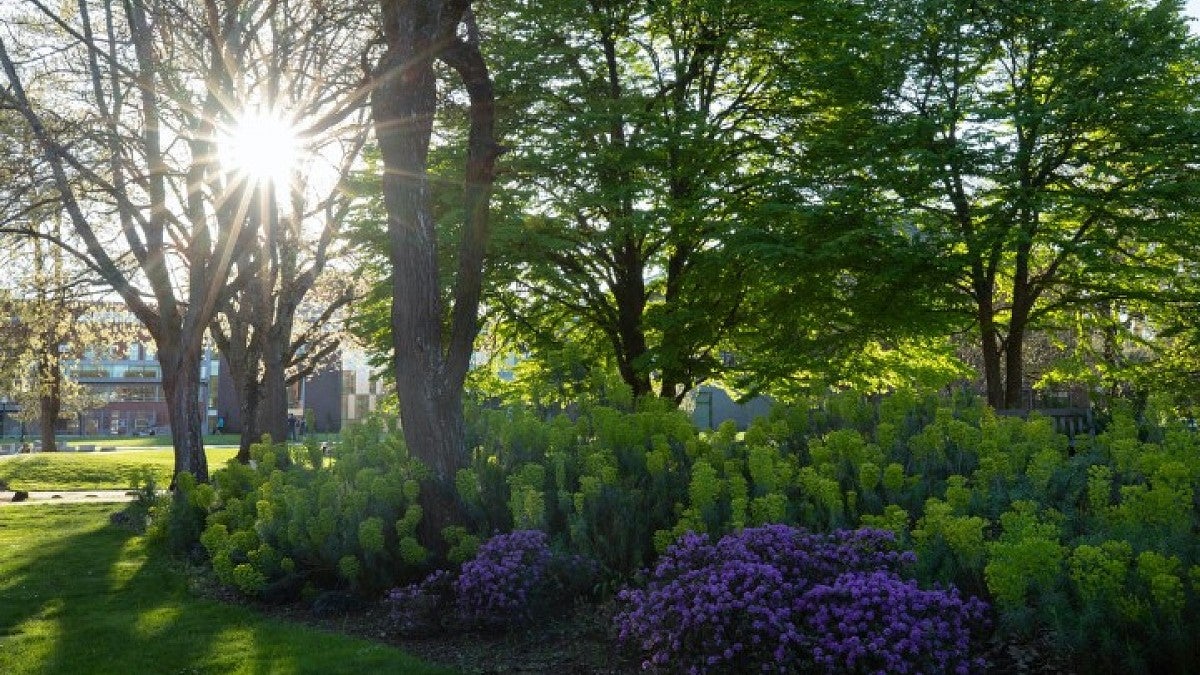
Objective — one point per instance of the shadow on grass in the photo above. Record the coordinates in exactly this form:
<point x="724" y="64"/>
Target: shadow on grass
<point x="80" y="596"/>
<point x="86" y="599"/>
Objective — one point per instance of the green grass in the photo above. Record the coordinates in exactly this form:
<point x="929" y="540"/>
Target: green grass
<point x="94" y="471"/>
<point x="80" y="596"/>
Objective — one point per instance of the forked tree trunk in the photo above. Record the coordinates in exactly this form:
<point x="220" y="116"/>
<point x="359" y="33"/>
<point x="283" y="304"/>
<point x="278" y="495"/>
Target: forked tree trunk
<point x="241" y="358"/>
<point x="248" y="408"/>
<point x="248" y="405"/>
<point x="1014" y="367"/>
<point x="274" y="412"/>
<point x="992" y="373"/>
<point x="430" y="371"/>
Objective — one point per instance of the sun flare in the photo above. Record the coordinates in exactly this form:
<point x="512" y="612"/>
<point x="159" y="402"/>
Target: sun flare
<point x="262" y="147"/>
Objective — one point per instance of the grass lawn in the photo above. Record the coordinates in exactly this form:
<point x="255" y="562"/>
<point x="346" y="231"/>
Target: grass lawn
<point x="78" y="595"/>
<point x="94" y="471"/>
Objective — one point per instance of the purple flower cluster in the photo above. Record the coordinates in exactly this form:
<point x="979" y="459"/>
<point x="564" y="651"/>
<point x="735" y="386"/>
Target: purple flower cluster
<point x="751" y="601"/>
<point x="510" y="575"/>
<point x="499" y="584"/>
<point x="794" y="551"/>
<point x="878" y="622"/>
<point x="420" y="609"/>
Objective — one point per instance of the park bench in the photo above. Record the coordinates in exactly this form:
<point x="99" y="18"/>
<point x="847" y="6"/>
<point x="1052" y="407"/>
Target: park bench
<point x="1070" y="422"/>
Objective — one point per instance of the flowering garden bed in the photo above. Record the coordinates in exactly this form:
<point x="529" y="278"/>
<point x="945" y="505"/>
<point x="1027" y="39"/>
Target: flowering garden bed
<point x="843" y="538"/>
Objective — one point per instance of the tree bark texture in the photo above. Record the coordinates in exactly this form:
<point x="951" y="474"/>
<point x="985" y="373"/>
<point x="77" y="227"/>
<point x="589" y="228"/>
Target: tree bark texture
<point x="181" y="383"/>
<point x="50" y="399"/>
<point x="431" y="366"/>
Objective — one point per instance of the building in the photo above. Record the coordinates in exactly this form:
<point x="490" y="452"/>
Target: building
<point x="124" y="385"/>
<point x="127" y="384"/>
<point x="345" y="392"/>
<point x="124" y="396"/>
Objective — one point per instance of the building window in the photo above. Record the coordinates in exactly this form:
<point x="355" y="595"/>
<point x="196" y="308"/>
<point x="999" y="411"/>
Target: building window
<point x="128" y="392"/>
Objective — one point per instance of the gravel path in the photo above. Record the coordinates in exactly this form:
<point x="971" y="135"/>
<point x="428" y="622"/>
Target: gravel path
<point x="61" y="496"/>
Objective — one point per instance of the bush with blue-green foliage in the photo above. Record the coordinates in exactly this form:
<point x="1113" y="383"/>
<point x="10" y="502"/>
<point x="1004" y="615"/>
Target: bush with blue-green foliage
<point x="601" y="483"/>
<point x="349" y="525"/>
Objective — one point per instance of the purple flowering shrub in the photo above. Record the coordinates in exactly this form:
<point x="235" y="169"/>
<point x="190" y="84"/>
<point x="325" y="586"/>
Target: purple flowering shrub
<point x="499" y="584"/>
<point x="763" y="599"/>
<point x="878" y="622"/>
<point x="510" y="576"/>
<point x="419" y="609"/>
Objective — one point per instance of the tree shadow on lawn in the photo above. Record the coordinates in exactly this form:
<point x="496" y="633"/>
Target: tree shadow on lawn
<point x="87" y="597"/>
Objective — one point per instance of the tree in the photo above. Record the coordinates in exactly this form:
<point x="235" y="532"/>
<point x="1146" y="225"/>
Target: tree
<point x="641" y="130"/>
<point x="298" y="215"/>
<point x="135" y="162"/>
<point x="311" y="341"/>
<point x="1158" y="350"/>
<point x="53" y="319"/>
<point x="52" y="314"/>
<point x="1041" y="152"/>
<point x="432" y="352"/>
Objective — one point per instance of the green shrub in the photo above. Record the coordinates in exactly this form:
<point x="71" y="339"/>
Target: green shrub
<point x="1026" y="560"/>
<point x="1098" y="547"/>
<point x="602" y="483"/>
<point x="352" y="524"/>
<point x="177" y="520"/>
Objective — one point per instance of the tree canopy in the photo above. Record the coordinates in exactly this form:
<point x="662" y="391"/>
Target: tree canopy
<point x="770" y="195"/>
<point x="1041" y="153"/>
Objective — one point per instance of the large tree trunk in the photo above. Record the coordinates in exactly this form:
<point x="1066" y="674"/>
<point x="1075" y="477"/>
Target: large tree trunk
<point x="430" y="371"/>
<point x="630" y="296"/>
<point x="436" y="433"/>
<point x="676" y="379"/>
<point x="50" y="400"/>
<point x="181" y="385"/>
<point x="431" y="423"/>
<point x="1014" y="366"/>
<point x="1023" y="297"/>
<point x="274" y="413"/>
<point x="990" y="343"/>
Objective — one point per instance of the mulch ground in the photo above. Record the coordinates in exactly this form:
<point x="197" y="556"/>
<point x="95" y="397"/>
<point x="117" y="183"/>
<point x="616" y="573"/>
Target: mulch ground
<point x="577" y="639"/>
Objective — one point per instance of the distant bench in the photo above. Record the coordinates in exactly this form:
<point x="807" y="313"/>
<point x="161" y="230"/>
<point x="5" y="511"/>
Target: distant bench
<point x="1070" y="422"/>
